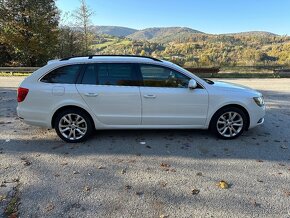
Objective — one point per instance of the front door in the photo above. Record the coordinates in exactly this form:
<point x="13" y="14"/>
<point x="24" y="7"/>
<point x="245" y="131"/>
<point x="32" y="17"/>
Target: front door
<point x="111" y="92"/>
<point x="167" y="100"/>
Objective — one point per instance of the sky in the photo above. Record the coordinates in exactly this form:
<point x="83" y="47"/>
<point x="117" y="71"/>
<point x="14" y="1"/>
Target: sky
<point x="209" y="16"/>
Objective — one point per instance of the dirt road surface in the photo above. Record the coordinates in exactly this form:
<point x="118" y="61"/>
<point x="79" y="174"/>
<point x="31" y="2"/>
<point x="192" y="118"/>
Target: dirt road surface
<point x="149" y="173"/>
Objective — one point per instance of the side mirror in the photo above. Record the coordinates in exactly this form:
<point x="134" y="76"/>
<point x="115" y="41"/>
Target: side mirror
<point x="192" y="84"/>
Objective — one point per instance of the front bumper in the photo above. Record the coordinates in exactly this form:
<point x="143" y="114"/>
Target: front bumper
<point x="257" y="116"/>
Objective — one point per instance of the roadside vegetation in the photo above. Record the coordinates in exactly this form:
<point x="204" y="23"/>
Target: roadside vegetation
<point x="33" y="32"/>
<point x="204" y="75"/>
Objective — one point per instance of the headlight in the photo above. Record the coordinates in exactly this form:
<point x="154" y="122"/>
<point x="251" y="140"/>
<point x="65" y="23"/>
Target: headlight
<point x="259" y="101"/>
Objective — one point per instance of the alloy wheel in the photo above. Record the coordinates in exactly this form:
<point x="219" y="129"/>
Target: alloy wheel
<point x="73" y="126"/>
<point x="230" y="124"/>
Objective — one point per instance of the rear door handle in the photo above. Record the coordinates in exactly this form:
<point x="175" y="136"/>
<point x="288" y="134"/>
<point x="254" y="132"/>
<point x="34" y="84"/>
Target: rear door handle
<point x="91" y="94"/>
<point x="149" y="96"/>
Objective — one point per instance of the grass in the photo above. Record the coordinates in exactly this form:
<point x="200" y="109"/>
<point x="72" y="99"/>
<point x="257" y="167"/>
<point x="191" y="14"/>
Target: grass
<point x="103" y="45"/>
<point x="2" y="197"/>
<point x="252" y="69"/>
<point x="12" y="206"/>
<point x="124" y="42"/>
<point x="6" y="74"/>
<point x="245" y="75"/>
<point x="110" y="42"/>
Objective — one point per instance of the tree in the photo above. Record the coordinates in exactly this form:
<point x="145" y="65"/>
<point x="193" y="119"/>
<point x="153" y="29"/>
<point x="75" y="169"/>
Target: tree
<point x="4" y="55"/>
<point x="69" y="42"/>
<point x="83" y="17"/>
<point x="29" y="29"/>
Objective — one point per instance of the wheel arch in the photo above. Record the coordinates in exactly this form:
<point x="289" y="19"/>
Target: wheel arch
<point x="63" y="108"/>
<point x="236" y="106"/>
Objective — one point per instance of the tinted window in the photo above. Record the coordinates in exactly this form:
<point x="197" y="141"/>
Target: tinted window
<point x="90" y="75"/>
<point x="117" y="74"/>
<point x="155" y="76"/>
<point x="64" y="75"/>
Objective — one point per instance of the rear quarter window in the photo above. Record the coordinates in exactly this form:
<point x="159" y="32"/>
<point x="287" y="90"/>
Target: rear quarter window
<point x="63" y="75"/>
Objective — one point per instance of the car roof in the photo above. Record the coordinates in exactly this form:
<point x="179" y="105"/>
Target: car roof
<point x="107" y="58"/>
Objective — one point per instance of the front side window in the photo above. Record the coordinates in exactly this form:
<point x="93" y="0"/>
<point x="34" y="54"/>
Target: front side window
<point x="62" y="75"/>
<point x="117" y="74"/>
<point x="157" y="76"/>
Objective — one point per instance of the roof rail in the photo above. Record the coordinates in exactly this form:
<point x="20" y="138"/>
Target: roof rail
<point x="67" y="58"/>
<point x="91" y="56"/>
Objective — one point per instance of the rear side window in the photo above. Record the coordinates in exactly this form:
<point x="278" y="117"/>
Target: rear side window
<point x="90" y="75"/>
<point x="63" y="75"/>
<point x="117" y="74"/>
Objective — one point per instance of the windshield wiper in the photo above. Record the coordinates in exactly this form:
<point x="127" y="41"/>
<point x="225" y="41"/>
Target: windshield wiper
<point x="208" y="81"/>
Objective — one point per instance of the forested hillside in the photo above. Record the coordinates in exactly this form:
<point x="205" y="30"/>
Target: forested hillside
<point x="206" y="50"/>
<point x="163" y="35"/>
<point x="31" y="34"/>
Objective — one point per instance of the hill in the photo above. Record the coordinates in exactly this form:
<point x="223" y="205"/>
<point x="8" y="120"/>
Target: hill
<point x="252" y="33"/>
<point x="163" y="34"/>
<point x="167" y="34"/>
<point x="113" y="30"/>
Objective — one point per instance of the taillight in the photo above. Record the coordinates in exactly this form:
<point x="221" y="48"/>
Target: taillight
<point x="21" y="94"/>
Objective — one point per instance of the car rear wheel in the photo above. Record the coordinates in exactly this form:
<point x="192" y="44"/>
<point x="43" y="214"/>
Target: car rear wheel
<point x="73" y="126"/>
<point x="229" y="123"/>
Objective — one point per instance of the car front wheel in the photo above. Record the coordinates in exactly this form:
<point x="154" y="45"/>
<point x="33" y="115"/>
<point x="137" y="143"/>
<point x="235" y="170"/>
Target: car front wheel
<point x="229" y="123"/>
<point x="73" y="126"/>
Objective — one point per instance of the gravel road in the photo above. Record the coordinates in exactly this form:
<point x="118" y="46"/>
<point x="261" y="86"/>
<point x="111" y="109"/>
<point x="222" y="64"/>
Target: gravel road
<point x="148" y="173"/>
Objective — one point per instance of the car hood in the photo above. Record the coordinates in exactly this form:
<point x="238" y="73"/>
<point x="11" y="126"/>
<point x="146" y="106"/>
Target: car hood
<point x="235" y="87"/>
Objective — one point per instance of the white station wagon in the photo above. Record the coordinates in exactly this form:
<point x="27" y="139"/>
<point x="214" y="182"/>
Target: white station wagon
<point x="79" y="94"/>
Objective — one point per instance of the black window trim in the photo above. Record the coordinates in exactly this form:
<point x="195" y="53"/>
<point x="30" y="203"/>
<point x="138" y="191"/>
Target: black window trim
<point x="137" y="71"/>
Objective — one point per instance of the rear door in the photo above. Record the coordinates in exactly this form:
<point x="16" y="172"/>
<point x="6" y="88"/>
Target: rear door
<point x="54" y="88"/>
<point x="111" y="91"/>
<point x="167" y="100"/>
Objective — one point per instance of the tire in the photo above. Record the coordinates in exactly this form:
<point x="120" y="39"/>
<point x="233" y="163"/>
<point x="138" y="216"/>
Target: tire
<point x="73" y="125"/>
<point x="229" y="123"/>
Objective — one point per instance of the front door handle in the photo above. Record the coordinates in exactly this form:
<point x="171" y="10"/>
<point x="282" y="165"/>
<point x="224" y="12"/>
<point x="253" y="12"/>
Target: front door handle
<point x="149" y="96"/>
<point x="91" y="94"/>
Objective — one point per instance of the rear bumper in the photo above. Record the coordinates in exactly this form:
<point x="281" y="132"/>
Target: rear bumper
<point x="33" y="118"/>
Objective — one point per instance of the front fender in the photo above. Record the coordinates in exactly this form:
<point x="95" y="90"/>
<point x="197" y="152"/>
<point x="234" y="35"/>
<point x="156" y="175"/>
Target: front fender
<point x="214" y="108"/>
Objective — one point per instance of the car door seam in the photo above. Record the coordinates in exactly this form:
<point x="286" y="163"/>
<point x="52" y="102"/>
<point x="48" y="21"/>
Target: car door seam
<point x="141" y="99"/>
